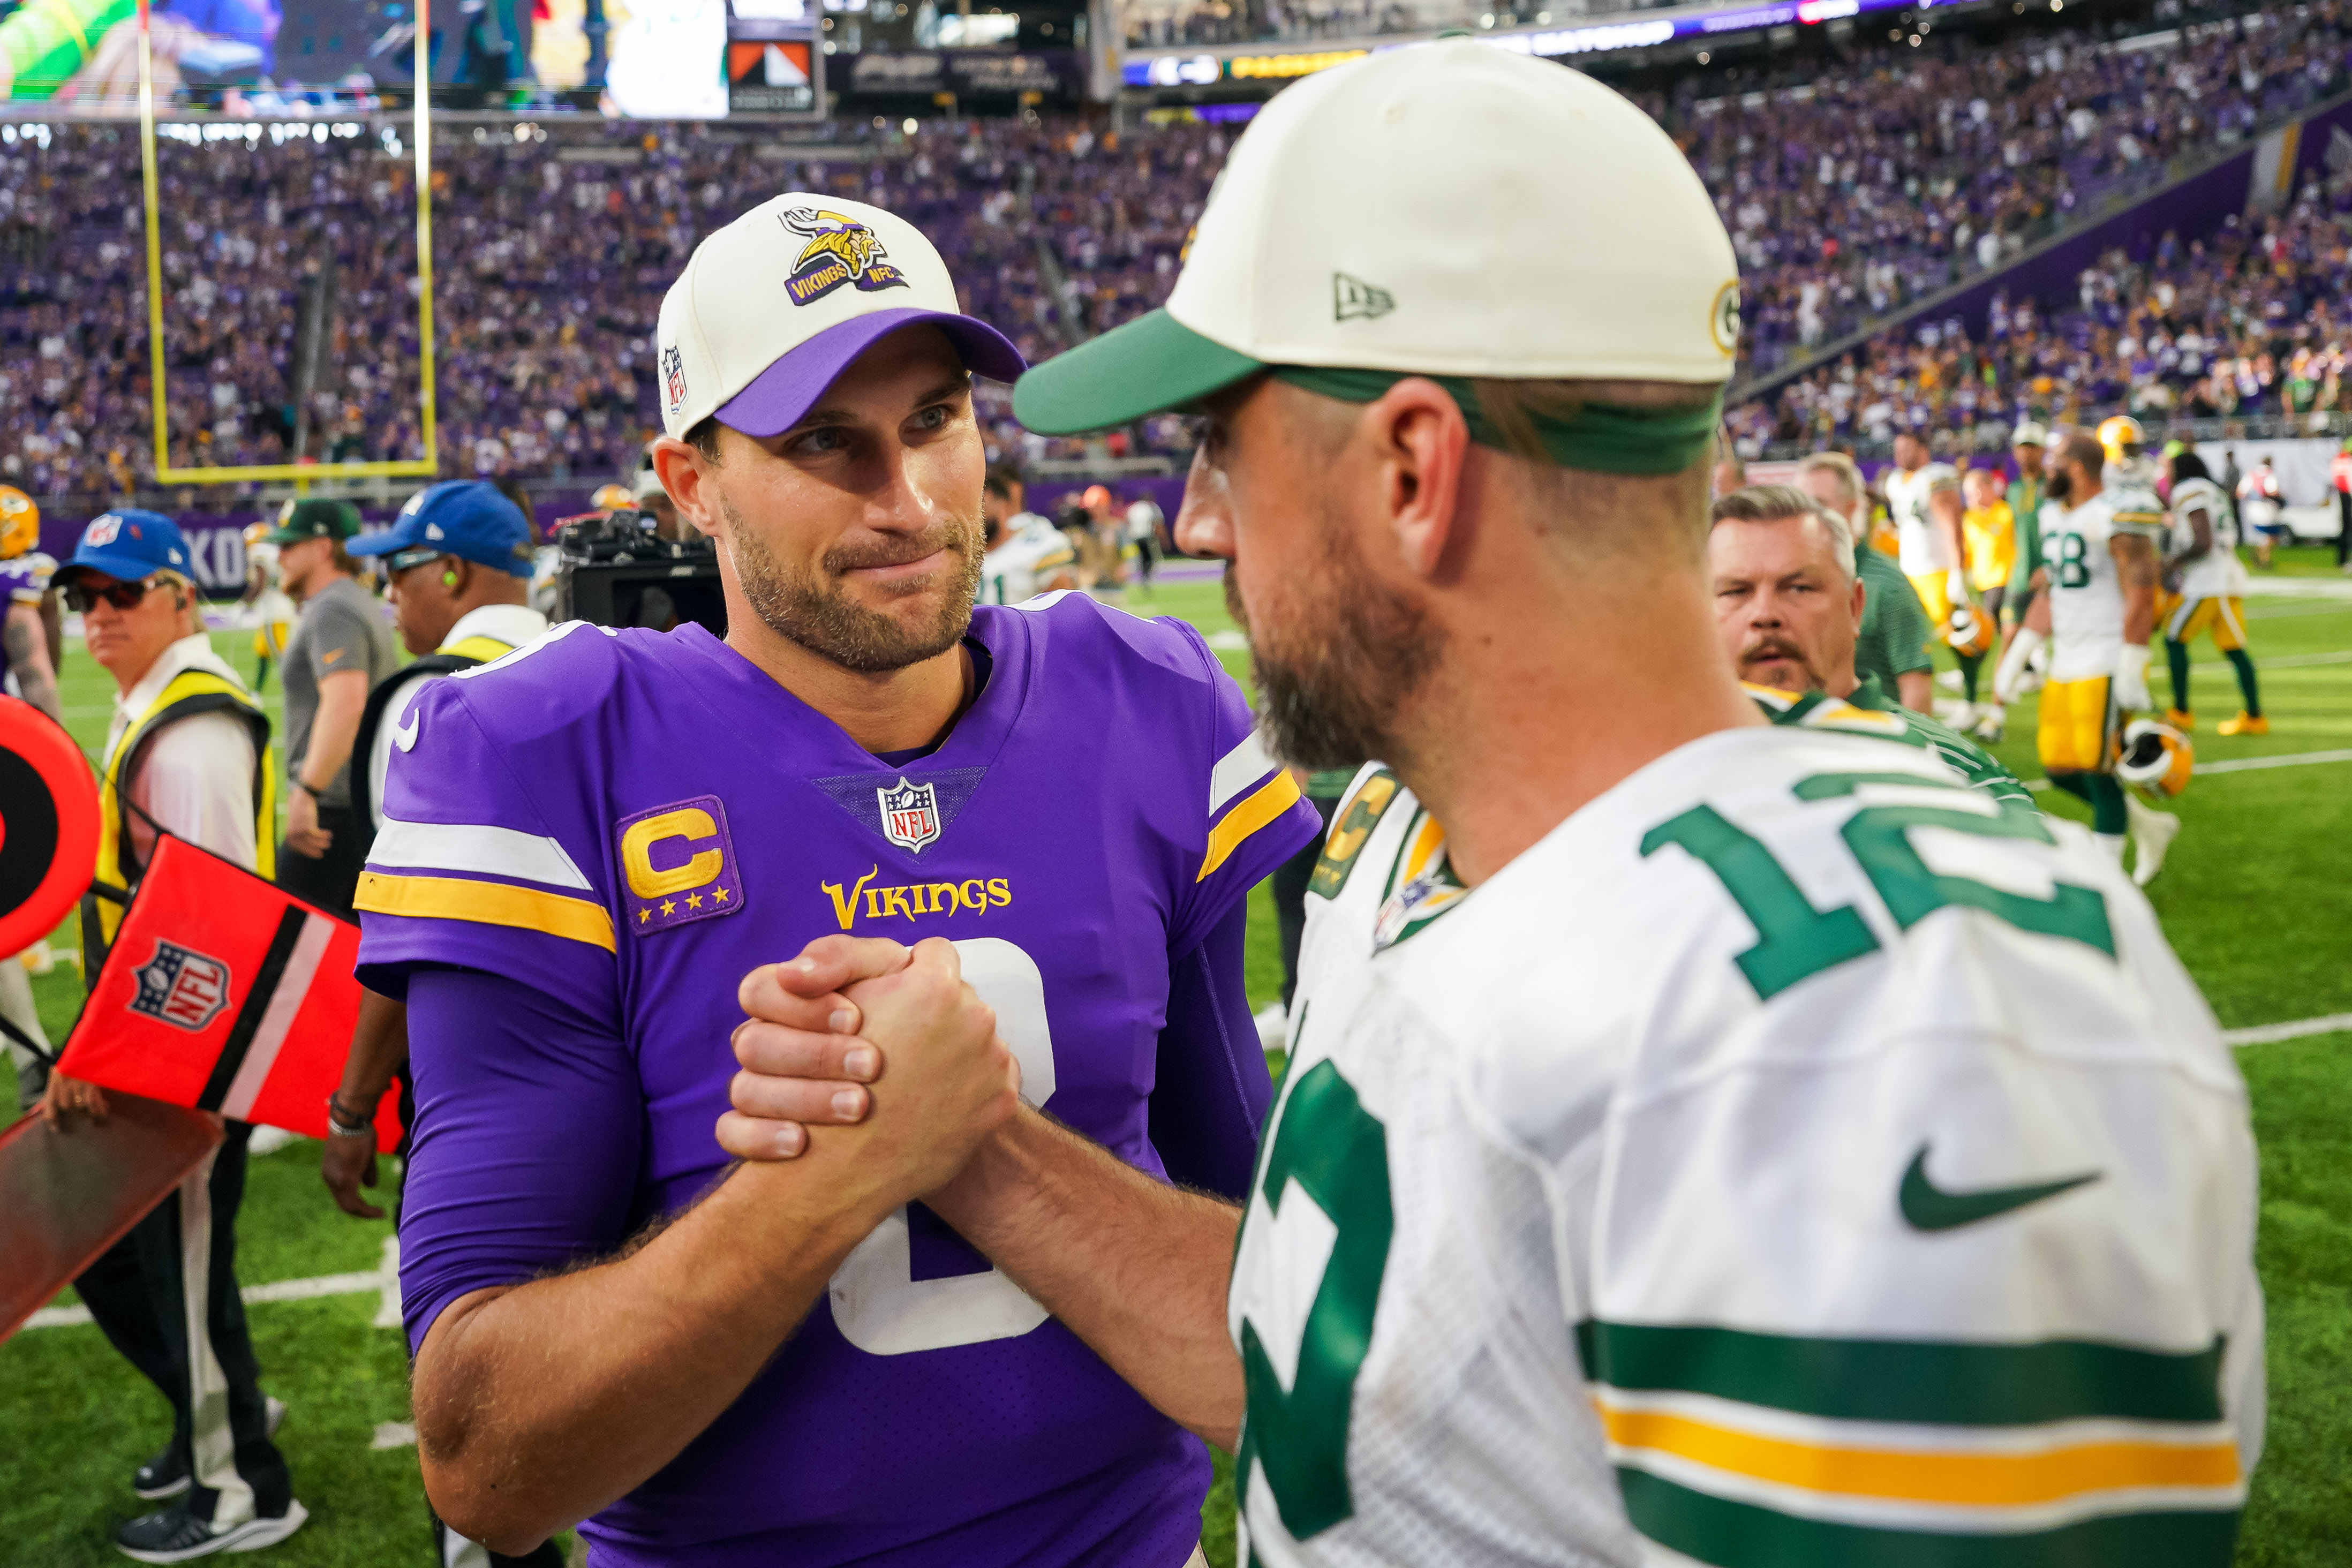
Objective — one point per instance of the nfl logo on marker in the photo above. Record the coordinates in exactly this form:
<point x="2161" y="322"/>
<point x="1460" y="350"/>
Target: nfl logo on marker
<point x="911" y="813"/>
<point x="181" y="986"/>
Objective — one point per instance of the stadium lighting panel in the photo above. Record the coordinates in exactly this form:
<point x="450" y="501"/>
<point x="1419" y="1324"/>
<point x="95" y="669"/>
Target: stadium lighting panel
<point x="426" y="466"/>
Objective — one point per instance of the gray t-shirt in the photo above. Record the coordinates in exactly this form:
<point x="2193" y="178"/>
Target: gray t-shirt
<point x="341" y="627"/>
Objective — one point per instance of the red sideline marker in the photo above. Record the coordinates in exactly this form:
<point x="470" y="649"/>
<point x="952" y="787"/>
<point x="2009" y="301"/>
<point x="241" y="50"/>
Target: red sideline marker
<point x="223" y="994"/>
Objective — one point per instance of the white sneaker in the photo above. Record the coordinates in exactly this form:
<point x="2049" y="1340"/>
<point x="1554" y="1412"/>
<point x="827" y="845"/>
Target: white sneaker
<point x="2152" y="832"/>
<point x="1949" y="680"/>
<point x="1273" y="1026"/>
<point x="268" y="1140"/>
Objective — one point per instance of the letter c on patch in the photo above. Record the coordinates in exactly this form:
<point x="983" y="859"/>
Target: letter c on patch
<point x="692" y="823"/>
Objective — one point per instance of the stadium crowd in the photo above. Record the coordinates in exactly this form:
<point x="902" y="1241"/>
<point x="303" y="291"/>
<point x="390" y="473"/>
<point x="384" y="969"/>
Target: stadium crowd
<point x="1846" y="196"/>
<point x="2246" y="324"/>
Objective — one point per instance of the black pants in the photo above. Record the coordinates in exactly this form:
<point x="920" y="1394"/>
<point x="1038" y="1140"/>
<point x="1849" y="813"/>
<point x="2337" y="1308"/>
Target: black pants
<point x="329" y="880"/>
<point x="1290" y="880"/>
<point x="2342" y="527"/>
<point x="138" y="1293"/>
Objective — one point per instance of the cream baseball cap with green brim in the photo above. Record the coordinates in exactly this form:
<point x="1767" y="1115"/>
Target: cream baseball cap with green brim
<point x="1451" y="210"/>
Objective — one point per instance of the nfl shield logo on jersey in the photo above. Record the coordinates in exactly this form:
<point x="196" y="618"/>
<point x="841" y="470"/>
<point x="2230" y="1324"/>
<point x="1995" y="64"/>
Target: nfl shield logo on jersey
<point x="911" y="813"/>
<point x="181" y="986"/>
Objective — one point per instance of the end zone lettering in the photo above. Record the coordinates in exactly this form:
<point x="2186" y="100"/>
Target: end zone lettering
<point x="976" y="894"/>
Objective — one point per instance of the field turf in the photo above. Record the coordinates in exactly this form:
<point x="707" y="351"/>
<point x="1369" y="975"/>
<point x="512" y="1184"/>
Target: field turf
<point x="2253" y="896"/>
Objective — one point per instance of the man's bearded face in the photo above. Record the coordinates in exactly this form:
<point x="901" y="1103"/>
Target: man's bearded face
<point x="817" y="610"/>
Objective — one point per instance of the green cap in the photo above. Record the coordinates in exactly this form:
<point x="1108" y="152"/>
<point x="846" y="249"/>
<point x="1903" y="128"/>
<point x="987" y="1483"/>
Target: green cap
<point x="301" y="519"/>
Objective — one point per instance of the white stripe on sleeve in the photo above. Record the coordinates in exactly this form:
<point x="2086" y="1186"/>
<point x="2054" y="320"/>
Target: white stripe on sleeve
<point x="1238" y="769"/>
<point x="476" y="847"/>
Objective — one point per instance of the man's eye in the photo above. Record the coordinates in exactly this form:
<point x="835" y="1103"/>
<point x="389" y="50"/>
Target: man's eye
<point x="934" y="417"/>
<point x="822" y="439"/>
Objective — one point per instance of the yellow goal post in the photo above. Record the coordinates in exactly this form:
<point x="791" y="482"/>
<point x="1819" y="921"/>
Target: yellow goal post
<point x="426" y="467"/>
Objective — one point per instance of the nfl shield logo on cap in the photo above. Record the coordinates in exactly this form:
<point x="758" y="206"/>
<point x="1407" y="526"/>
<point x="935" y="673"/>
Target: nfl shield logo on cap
<point x="910" y="812"/>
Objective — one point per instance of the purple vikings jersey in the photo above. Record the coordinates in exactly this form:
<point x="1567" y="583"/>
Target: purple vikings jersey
<point x="589" y="843"/>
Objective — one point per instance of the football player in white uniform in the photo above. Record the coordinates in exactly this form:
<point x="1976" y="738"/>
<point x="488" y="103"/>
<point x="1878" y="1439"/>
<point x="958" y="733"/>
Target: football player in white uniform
<point x="1924" y="499"/>
<point x="1733" y="1144"/>
<point x="2100" y="549"/>
<point x="1026" y="555"/>
<point x="2212" y="593"/>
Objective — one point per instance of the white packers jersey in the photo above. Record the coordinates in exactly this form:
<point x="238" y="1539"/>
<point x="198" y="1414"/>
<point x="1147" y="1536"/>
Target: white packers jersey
<point x="2217" y="573"/>
<point x="1921" y="546"/>
<point x="2086" y="596"/>
<point x="1028" y="558"/>
<point x="1796" y="1157"/>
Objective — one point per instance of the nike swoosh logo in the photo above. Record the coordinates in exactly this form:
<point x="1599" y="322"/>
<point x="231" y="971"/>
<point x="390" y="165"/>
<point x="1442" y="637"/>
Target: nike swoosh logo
<point x="404" y="735"/>
<point x="1925" y="1207"/>
<point x="332" y="654"/>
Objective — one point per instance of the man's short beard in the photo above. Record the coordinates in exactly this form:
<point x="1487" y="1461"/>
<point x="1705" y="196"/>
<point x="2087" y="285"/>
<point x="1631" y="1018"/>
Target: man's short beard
<point x="818" y="614"/>
<point x="1333" y="684"/>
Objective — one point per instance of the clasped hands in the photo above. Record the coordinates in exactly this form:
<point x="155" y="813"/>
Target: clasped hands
<point x="862" y="1032"/>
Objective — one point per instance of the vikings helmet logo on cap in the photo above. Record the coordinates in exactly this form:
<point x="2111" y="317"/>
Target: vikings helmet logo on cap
<point x="840" y="250"/>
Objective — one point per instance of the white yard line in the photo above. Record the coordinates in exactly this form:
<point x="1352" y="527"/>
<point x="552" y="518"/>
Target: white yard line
<point x="2246" y="765"/>
<point x="383" y="1282"/>
<point x="2284" y="661"/>
<point x="2263" y="587"/>
<point x="2267" y="1034"/>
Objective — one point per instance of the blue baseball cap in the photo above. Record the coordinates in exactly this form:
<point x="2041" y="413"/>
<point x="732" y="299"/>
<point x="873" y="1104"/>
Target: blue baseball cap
<point x="130" y="546"/>
<point x="465" y="518"/>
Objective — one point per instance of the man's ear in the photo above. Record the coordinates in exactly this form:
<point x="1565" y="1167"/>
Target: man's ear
<point x="1858" y="592"/>
<point x="1419" y="439"/>
<point x="691" y="481"/>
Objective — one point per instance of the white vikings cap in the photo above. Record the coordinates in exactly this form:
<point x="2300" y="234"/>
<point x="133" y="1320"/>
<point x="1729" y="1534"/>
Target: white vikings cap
<point x="1448" y="209"/>
<point x="775" y="305"/>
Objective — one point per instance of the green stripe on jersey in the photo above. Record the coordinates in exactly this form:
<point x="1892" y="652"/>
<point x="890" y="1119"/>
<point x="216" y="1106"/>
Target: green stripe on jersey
<point x="1740" y="1535"/>
<point x="1920" y="1381"/>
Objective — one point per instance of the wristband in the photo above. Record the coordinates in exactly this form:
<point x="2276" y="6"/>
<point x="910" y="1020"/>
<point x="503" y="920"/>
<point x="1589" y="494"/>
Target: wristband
<point x="315" y="794"/>
<point x="341" y="1129"/>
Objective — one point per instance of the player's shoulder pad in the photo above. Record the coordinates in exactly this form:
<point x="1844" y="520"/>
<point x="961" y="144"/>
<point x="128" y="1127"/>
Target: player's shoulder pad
<point x="553" y="681"/>
<point x="1081" y="626"/>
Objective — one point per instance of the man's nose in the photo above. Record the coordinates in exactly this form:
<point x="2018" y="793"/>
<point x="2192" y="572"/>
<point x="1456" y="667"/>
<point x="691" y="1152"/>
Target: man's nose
<point x="1204" y="523"/>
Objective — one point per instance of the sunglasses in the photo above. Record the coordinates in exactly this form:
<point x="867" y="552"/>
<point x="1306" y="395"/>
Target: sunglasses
<point x="400" y="560"/>
<point x="81" y="598"/>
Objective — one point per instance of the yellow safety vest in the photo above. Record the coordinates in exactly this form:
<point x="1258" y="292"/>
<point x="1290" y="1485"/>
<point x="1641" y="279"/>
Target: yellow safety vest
<point x="185" y="695"/>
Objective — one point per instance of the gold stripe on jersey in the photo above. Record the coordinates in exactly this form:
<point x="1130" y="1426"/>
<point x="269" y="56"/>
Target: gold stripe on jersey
<point x="1935" y="1466"/>
<point x="486" y="903"/>
<point x="1272" y="798"/>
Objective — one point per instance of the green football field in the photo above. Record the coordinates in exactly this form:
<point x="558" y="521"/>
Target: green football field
<point x="2255" y="896"/>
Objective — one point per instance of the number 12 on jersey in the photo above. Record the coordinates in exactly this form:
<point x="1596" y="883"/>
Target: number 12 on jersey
<point x="1795" y="941"/>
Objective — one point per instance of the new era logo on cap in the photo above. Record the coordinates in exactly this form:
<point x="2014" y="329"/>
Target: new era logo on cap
<point x="1353" y="298"/>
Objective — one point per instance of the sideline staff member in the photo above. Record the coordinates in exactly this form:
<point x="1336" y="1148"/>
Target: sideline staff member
<point x="800" y="1362"/>
<point x="341" y="649"/>
<point x="458" y="563"/>
<point x="188" y="754"/>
